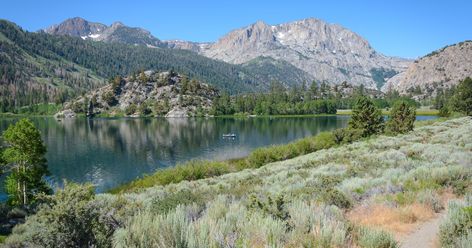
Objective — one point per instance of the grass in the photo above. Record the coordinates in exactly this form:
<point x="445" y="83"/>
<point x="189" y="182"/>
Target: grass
<point x="42" y="109"/>
<point x="420" y="111"/>
<point x="399" y="220"/>
<point x="2" y="239"/>
<point x="192" y="170"/>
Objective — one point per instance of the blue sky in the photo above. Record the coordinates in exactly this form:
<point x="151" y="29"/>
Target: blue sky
<point x="398" y="28"/>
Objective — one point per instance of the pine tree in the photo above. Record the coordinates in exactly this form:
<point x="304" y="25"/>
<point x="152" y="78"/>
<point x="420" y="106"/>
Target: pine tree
<point x="366" y="117"/>
<point x="314" y="90"/>
<point x="402" y="118"/>
<point x="462" y="100"/>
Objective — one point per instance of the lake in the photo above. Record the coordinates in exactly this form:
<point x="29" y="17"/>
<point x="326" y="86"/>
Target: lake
<point x="109" y="152"/>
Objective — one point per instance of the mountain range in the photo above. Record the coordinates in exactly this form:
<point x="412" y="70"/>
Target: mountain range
<point x="117" y="32"/>
<point x="37" y="67"/>
<point x="321" y="51"/>
<point x="76" y="56"/>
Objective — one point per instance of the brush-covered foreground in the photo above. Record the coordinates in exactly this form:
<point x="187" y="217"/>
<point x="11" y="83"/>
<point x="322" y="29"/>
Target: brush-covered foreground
<point x="456" y="230"/>
<point x="308" y="201"/>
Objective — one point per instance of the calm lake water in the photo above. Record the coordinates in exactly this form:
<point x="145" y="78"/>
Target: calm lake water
<point x="109" y="152"/>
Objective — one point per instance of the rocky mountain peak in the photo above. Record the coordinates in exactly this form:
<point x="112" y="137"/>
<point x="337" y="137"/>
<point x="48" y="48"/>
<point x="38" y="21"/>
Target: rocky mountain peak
<point x="439" y="69"/>
<point x="76" y="26"/>
<point x="116" y="32"/>
<point x="117" y="24"/>
<point x="260" y="24"/>
<point x="328" y="52"/>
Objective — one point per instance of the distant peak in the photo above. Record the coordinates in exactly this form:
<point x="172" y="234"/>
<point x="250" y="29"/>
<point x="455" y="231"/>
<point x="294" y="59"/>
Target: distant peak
<point x="308" y="22"/>
<point x="77" y="18"/>
<point x="311" y="19"/>
<point x="260" y="23"/>
<point x="117" y="24"/>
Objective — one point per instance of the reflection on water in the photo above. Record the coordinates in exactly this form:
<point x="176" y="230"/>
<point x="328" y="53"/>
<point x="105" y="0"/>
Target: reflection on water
<point x="109" y="152"/>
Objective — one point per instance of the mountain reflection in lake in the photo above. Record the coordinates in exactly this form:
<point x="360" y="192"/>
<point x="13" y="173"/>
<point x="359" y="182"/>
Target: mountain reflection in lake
<point x="109" y="152"/>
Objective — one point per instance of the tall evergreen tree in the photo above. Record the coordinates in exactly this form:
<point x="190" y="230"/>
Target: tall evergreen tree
<point x="462" y="100"/>
<point x="402" y="118"/>
<point x="315" y="92"/>
<point x="366" y="117"/>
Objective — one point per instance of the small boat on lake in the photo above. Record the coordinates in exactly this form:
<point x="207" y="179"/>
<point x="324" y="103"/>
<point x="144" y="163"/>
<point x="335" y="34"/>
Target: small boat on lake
<point x="229" y="135"/>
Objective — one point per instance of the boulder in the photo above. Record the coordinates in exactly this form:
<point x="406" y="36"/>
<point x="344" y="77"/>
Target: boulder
<point x="64" y="114"/>
<point x="177" y="112"/>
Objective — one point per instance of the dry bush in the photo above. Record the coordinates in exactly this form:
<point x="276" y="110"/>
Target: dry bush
<point x="400" y="220"/>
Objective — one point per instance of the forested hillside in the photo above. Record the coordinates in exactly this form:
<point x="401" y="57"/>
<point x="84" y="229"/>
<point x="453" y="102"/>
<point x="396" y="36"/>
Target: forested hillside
<point x="38" y="67"/>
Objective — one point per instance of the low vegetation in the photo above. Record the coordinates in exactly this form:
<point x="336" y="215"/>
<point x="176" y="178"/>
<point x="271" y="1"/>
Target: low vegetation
<point x="306" y="201"/>
<point x="456" y="229"/>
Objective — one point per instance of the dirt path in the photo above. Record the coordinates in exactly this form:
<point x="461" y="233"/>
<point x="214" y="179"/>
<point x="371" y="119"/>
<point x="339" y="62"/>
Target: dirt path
<point x="425" y="236"/>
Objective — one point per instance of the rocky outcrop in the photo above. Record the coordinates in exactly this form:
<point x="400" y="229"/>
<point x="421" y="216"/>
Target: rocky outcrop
<point x="442" y="68"/>
<point x="148" y="94"/>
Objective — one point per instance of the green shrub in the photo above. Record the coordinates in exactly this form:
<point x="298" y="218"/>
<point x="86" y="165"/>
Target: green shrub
<point x="79" y="107"/>
<point x="458" y="223"/>
<point x="371" y="238"/>
<point x="431" y="199"/>
<point x="444" y="111"/>
<point x="131" y="109"/>
<point x="66" y="219"/>
<point x="144" y="109"/>
<point x="148" y="230"/>
<point x="465" y="241"/>
<point x="110" y="99"/>
<point x="275" y="207"/>
<point x="265" y="155"/>
<point x="171" y="201"/>
<point x="258" y="157"/>
<point x="337" y="198"/>
<point x="346" y="135"/>
<point x="404" y="198"/>
<point x="192" y="170"/>
<point x="461" y="185"/>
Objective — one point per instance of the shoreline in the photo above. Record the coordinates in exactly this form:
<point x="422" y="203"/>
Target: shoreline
<point x="266" y="154"/>
<point x="340" y="112"/>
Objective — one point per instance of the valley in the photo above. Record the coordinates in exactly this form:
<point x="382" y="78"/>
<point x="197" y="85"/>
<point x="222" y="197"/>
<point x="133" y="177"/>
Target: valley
<point x="237" y="124"/>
